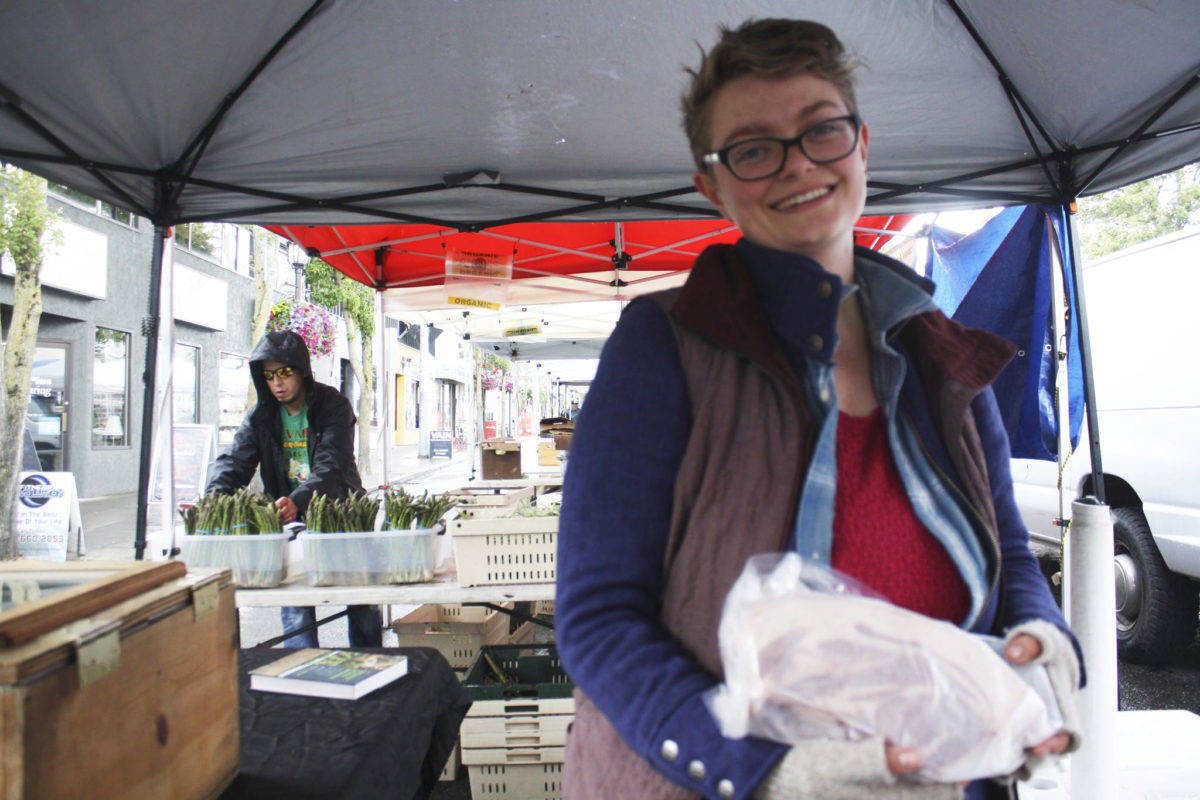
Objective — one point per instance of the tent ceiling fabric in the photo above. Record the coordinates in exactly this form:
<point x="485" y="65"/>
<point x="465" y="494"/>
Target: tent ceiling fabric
<point x="552" y="261"/>
<point x="320" y="112"/>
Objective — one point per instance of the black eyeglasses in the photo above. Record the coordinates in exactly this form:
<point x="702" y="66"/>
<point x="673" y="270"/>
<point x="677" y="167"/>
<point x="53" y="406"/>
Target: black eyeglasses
<point x="283" y="372"/>
<point x="764" y="156"/>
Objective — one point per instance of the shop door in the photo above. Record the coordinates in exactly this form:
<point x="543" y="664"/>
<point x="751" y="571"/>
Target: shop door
<point x="47" y="416"/>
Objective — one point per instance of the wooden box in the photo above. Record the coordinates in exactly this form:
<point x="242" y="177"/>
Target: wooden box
<point x="117" y="680"/>
<point x="500" y="459"/>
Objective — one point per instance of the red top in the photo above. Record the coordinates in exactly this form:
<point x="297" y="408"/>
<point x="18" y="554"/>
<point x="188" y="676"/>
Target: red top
<point x="877" y="537"/>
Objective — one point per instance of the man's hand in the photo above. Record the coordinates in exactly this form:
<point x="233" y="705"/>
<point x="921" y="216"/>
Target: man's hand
<point x="288" y="510"/>
<point x="1021" y="650"/>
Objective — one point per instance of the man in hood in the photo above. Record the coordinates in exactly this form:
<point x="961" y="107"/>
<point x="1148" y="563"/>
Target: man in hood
<point x="300" y="436"/>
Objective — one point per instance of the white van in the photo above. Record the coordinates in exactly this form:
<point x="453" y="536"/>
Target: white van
<point x="1143" y="310"/>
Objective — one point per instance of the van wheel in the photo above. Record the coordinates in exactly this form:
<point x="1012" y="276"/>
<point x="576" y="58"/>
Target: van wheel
<point x="1156" y="609"/>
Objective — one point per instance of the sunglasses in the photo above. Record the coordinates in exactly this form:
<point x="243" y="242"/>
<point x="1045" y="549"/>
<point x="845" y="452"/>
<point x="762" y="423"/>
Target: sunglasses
<point x="283" y="372"/>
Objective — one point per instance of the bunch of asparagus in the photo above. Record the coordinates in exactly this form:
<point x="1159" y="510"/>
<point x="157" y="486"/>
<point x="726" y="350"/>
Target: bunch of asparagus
<point x="232" y="517"/>
<point x="243" y="512"/>
<point x="402" y="511"/>
<point x="354" y="513"/>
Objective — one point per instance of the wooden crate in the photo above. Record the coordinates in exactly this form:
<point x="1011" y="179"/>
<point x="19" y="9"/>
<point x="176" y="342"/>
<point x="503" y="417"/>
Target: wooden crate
<point x="121" y="685"/>
<point x="500" y="459"/>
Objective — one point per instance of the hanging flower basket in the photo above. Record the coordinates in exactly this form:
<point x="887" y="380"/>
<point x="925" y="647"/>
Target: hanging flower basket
<point x="490" y="377"/>
<point x="315" y="325"/>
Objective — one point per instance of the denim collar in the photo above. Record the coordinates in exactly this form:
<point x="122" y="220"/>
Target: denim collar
<point x="793" y="294"/>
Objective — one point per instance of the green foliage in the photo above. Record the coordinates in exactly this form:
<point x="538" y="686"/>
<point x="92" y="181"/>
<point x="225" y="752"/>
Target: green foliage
<point x="24" y="216"/>
<point x="330" y="288"/>
<point x="1139" y="212"/>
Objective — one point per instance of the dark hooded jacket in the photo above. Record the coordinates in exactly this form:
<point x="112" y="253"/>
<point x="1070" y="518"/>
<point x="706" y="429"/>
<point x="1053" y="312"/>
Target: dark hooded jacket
<point x="259" y="440"/>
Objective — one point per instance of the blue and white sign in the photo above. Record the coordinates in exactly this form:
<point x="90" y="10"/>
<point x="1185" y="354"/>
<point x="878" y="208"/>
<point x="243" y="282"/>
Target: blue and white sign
<point x="47" y="510"/>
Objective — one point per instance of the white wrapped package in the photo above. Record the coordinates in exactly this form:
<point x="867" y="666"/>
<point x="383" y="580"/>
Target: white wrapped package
<point x="808" y="654"/>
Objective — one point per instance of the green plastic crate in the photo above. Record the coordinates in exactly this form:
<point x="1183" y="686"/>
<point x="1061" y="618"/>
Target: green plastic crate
<point x="529" y="671"/>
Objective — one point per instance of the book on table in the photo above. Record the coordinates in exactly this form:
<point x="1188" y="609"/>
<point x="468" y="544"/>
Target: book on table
<point x="340" y="674"/>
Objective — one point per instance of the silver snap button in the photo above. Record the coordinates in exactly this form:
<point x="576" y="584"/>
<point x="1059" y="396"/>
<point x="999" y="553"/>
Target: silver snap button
<point x="696" y="770"/>
<point x="670" y="750"/>
<point x="725" y="789"/>
<point x="815" y="343"/>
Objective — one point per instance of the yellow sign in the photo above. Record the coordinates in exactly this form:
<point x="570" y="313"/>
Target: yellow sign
<point x="472" y="302"/>
<point x="523" y="330"/>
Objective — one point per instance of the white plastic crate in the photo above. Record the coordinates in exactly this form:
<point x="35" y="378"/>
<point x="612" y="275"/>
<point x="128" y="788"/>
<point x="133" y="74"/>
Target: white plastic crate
<point x="450" y="771"/>
<point x="458" y="613"/>
<point x="484" y="503"/>
<point x="537" y="781"/>
<point x="491" y="552"/>
<point x="458" y="641"/>
<point x="256" y="559"/>
<point x="522" y="707"/>
<point x="547" y="730"/>
<point x="369" y="558"/>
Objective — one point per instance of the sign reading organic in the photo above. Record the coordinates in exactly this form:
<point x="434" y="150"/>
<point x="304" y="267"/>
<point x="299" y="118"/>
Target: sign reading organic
<point x="46" y="508"/>
<point x="472" y="302"/>
<point x="477" y="277"/>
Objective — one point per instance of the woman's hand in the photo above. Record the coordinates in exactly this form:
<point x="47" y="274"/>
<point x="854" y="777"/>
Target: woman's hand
<point x="1021" y="650"/>
<point x="901" y="760"/>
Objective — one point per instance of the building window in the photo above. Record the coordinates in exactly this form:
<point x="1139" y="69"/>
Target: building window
<point x="185" y="377"/>
<point x="200" y="237"/>
<point x="233" y="396"/>
<point x="115" y="213"/>
<point x="110" y="389"/>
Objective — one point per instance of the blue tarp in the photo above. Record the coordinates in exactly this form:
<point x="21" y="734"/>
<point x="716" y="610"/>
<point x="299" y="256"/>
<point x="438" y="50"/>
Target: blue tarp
<point x="999" y="279"/>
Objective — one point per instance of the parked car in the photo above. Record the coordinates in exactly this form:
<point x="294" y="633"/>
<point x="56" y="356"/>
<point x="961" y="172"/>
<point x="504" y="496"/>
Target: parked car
<point x="1144" y="325"/>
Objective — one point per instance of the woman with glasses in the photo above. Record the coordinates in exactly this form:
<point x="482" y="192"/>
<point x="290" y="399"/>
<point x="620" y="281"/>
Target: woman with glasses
<point x="795" y="394"/>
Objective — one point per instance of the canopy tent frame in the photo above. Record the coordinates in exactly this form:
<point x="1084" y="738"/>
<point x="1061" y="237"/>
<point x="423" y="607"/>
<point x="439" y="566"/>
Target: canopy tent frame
<point x="1060" y="162"/>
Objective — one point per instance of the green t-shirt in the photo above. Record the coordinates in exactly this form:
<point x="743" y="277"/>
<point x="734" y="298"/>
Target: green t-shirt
<point x="295" y="444"/>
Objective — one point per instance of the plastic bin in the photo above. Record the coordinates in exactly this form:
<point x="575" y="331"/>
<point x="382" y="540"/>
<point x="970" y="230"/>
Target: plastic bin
<point x="514" y="734"/>
<point x="369" y="558"/>
<point x="502" y="672"/>
<point x="256" y="559"/>
<point x="447" y="633"/>
<point x="491" y="552"/>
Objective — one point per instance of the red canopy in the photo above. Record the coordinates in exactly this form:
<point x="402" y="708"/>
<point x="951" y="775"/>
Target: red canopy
<point x="395" y="256"/>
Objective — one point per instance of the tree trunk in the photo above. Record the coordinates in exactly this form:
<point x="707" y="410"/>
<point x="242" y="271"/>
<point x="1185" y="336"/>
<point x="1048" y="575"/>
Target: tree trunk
<point x="263" y="270"/>
<point x="20" y="346"/>
<point x="364" y="372"/>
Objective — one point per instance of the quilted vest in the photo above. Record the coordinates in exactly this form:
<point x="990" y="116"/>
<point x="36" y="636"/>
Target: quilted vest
<point x="742" y="471"/>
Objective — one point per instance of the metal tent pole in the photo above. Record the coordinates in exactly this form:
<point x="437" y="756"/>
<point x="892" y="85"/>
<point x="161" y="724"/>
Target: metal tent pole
<point x="388" y="388"/>
<point x="1085" y="356"/>
<point x="150" y="331"/>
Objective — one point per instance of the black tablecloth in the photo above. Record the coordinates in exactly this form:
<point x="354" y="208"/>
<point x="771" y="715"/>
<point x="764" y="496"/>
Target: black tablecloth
<point x="393" y="743"/>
